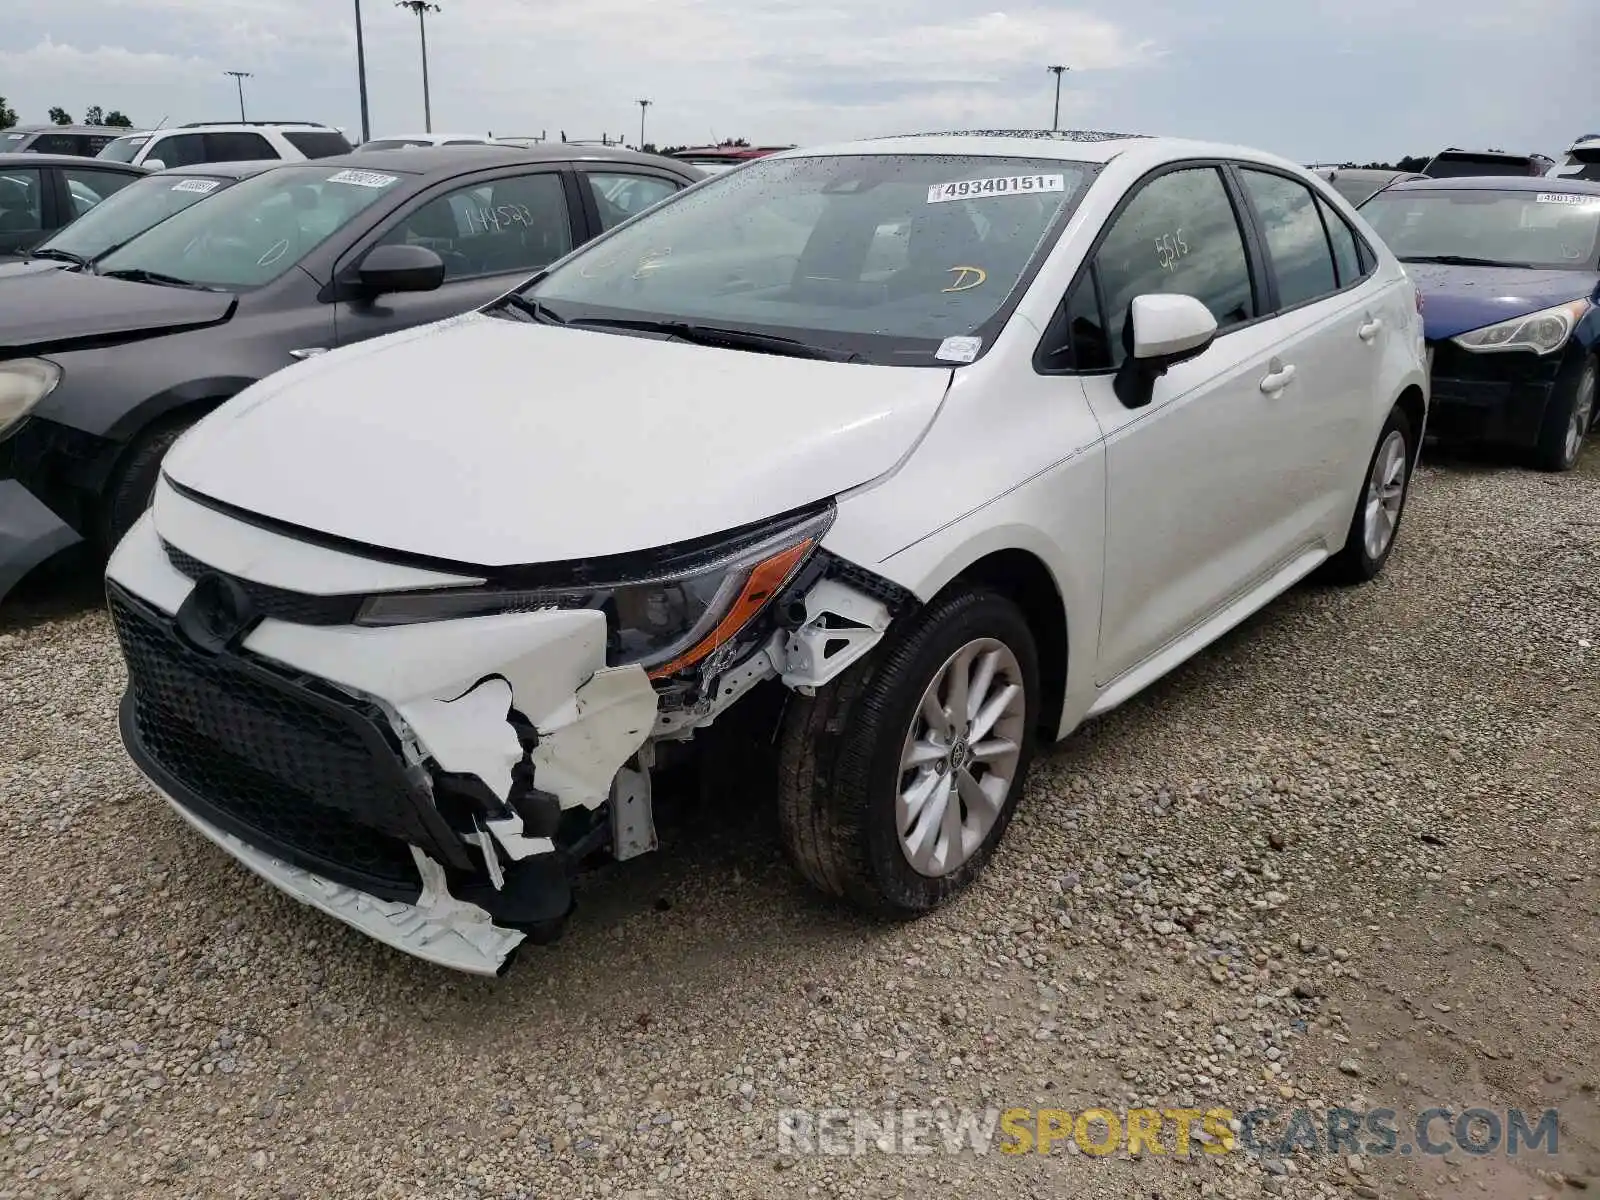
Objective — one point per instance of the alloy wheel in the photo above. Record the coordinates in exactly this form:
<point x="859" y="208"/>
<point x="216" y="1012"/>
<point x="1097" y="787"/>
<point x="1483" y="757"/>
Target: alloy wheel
<point x="960" y="757"/>
<point x="1386" y="492"/>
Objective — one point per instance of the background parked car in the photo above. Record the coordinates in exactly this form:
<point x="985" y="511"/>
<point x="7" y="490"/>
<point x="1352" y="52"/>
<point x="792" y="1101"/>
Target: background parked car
<point x="278" y="267"/>
<point x="1510" y="274"/>
<point x="1582" y="160"/>
<point x="84" y="141"/>
<point x="1357" y="184"/>
<point x="228" y="141"/>
<point x="1455" y="163"/>
<point x="39" y="193"/>
<point x="145" y="202"/>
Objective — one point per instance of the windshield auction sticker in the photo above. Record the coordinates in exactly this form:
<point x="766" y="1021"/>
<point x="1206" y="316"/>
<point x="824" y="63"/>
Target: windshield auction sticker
<point x="1565" y="198"/>
<point x="371" y="179"/>
<point x="983" y="189"/>
<point x="196" y="185"/>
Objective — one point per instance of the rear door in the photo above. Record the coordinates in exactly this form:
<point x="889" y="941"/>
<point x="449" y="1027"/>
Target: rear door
<point x="491" y="230"/>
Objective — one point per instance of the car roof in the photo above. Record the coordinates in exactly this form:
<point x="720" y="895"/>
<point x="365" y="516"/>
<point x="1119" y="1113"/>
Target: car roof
<point x="453" y="160"/>
<point x="228" y="170"/>
<point x="26" y="158"/>
<point x="1361" y="173"/>
<point x="96" y="130"/>
<point x="431" y="137"/>
<point x="1068" y="145"/>
<point x="1499" y="183"/>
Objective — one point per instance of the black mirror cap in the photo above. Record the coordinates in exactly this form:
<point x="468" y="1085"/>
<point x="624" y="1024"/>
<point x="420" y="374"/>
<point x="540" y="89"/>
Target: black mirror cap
<point x="397" y="268"/>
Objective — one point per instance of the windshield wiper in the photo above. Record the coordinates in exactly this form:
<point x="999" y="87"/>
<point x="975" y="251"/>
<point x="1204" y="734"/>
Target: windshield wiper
<point x="140" y="275"/>
<point x="533" y="309"/>
<point x="713" y="335"/>
<point x="51" y="252"/>
<point x="1456" y="260"/>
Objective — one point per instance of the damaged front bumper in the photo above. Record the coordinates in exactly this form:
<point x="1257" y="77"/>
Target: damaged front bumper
<point x="435" y="786"/>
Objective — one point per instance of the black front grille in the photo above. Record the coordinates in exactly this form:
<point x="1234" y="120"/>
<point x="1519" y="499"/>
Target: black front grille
<point x="291" y="767"/>
<point x="278" y="603"/>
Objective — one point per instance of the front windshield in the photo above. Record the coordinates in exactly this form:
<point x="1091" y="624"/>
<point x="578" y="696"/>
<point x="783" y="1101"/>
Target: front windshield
<point x="885" y="256"/>
<point x="255" y="230"/>
<point x="11" y="141"/>
<point x="129" y="212"/>
<point x="1516" y="228"/>
<point x="123" y="149"/>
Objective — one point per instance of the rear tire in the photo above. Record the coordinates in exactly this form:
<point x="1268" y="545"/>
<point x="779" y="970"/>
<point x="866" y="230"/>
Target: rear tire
<point x="853" y="814"/>
<point x="1376" y="522"/>
<point x="1569" y="418"/>
<point x="133" y="483"/>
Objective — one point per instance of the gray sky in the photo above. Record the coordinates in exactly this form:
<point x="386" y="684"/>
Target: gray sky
<point x="1351" y="79"/>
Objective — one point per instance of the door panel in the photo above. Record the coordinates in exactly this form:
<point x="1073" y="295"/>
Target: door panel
<point x="491" y="233"/>
<point x="1198" y="484"/>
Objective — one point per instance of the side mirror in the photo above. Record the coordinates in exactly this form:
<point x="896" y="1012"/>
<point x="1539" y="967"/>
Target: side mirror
<point x="1162" y="331"/>
<point x="396" y="268"/>
<point x="155" y="164"/>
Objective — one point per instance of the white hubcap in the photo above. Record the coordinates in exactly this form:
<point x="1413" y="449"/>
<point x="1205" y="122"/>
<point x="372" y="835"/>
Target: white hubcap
<point x="1386" y="491"/>
<point x="960" y="757"/>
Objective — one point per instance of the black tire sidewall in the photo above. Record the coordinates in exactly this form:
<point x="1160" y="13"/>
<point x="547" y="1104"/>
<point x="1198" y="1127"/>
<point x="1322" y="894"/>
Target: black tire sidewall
<point x="134" y="481"/>
<point x="889" y="705"/>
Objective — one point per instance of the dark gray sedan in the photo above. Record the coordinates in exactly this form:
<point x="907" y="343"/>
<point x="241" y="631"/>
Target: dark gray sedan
<point x="102" y="370"/>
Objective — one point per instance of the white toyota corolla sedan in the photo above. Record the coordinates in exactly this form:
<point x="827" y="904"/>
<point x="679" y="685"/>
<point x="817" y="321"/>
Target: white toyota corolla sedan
<point x="950" y="441"/>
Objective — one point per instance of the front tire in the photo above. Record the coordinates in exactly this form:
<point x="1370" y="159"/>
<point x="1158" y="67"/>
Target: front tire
<point x="899" y="778"/>
<point x="1376" y="522"/>
<point x="133" y="484"/>
<point x="1569" y="418"/>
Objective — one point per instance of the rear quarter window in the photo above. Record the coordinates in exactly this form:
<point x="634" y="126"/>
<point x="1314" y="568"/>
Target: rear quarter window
<point x="318" y="143"/>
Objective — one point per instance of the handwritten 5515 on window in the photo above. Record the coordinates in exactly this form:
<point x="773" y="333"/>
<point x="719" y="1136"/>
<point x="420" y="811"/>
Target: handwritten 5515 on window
<point x="982" y="189"/>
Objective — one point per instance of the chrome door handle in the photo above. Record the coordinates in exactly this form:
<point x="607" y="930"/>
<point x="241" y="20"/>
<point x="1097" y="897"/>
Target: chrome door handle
<point x="1277" y="379"/>
<point x="310" y="352"/>
<point x="1370" y="330"/>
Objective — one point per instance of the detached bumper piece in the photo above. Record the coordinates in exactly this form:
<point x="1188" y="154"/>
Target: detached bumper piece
<point x="309" y="788"/>
<point x="1489" y="398"/>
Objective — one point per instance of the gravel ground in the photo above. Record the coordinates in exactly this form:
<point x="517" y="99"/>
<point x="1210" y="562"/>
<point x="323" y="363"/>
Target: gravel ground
<point x="1347" y="856"/>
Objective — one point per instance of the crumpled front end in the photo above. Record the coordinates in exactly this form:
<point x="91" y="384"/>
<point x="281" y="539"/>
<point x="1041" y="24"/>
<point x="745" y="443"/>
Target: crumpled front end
<point x="432" y="784"/>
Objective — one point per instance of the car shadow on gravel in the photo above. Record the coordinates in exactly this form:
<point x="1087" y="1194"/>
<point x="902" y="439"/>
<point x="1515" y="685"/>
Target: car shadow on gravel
<point x="67" y="586"/>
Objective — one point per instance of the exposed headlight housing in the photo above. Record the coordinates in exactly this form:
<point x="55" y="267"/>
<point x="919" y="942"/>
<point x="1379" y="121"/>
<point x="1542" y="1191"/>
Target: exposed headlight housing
<point x="666" y="621"/>
<point x="1543" y="332"/>
<point x="23" y="383"/>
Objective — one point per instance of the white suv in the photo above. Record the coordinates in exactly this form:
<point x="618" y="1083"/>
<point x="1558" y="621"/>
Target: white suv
<point x="211" y="141"/>
<point x="946" y="443"/>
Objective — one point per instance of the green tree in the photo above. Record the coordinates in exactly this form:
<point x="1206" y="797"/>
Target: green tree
<point x="60" y="116"/>
<point x="8" y="115"/>
<point x="94" y="115"/>
<point x="117" y="119"/>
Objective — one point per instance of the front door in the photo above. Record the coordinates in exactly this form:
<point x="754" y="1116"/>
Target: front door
<point x="491" y="234"/>
<point x="1200" y="482"/>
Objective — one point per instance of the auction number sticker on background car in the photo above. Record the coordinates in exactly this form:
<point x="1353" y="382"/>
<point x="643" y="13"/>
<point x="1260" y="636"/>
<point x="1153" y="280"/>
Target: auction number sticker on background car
<point x="1007" y="185"/>
<point x="372" y="179"/>
<point x="1565" y="198"/>
<point x="196" y="185"/>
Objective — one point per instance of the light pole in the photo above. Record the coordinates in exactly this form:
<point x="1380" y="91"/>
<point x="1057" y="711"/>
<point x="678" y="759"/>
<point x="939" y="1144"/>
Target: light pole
<point x="422" y="8"/>
<point x="643" y="105"/>
<point x="361" y="76"/>
<point x="238" y="78"/>
<point x="1057" y="72"/>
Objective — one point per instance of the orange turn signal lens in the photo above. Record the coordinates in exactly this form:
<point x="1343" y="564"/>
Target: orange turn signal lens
<point x="762" y="584"/>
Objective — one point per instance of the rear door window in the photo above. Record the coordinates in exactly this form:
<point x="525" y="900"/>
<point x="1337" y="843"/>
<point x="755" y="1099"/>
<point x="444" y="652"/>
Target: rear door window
<point x="317" y="143"/>
<point x="237" y="146"/>
<point x="620" y="195"/>
<point x="1346" y="256"/>
<point x="179" y="149"/>
<point x="1302" y="260"/>
<point x="57" y="143"/>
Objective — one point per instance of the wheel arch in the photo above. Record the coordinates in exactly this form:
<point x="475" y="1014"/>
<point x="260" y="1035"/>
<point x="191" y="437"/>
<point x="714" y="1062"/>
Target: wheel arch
<point x="1410" y="401"/>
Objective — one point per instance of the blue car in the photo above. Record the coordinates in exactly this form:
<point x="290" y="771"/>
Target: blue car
<point x="1509" y="273"/>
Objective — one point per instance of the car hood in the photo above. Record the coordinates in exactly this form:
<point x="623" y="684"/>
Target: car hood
<point x="49" y="310"/>
<point x="16" y="266"/>
<point x="493" y="442"/>
<point x="1459" y="299"/>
